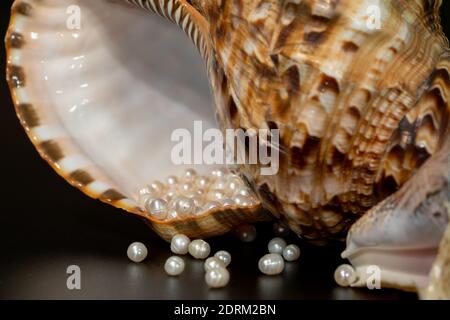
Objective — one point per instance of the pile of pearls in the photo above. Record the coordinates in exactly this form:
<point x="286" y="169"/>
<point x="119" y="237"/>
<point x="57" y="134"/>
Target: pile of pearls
<point x="193" y="194"/>
<point x="273" y="262"/>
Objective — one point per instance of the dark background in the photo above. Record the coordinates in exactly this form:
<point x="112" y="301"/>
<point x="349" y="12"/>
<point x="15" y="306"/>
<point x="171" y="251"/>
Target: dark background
<point x="46" y="225"/>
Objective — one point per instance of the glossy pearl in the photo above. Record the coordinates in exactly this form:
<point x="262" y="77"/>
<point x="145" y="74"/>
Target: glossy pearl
<point x="201" y="182"/>
<point x="172" y="180"/>
<point x="183" y="205"/>
<point x="234" y="183"/>
<point x="172" y="214"/>
<point x="243" y="201"/>
<point x="219" y="173"/>
<point x="280" y="229"/>
<point x="220" y="184"/>
<point x="291" y="252"/>
<point x="190" y="174"/>
<point x="137" y="252"/>
<point x="223" y="256"/>
<point x="212" y="205"/>
<point x="180" y="244"/>
<point x="213" y="263"/>
<point x="271" y="264"/>
<point x="228" y="202"/>
<point x="345" y="275"/>
<point x="199" y="249"/>
<point x="276" y="245"/>
<point x="157" y="208"/>
<point x="156" y="188"/>
<point x="246" y="232"/>
<point x="215" y="195"/>
<point x="185" y="187"/>
<point x="242" y="192"/>
<point x="174" y="266"/>
<point x="217" y="278"/>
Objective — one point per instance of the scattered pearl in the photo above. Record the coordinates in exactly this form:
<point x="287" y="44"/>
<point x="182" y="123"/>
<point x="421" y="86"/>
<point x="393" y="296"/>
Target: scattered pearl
<point x="137" y="252"/>
<point x="243" y="201"/>
<point x="280" y="229"/>
<point x="291" y="252"/>
<point x="190" y="174"/>
<point x="223" y="256"/>
<point x="217" y="278"/>
<point x="174" y="266"/>
<point x="271" y="264"/>
<point x="276" y="245"/>
<point x="213" y="263"/>
<point x="183" y="206"/>
<point x="345" y="275"/>
<point x="172" y="180"/>
<point x="199" y="249"/>
<point x="157" y="208"/>
<point x="180" y="244"/>
<point x="246" y="232"/>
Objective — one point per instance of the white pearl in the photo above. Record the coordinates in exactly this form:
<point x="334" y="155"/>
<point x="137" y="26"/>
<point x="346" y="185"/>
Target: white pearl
<point x="172" y="214"/>
<point x="246" y="232"/>
<point x="276" y="245"/>
<point x="170" y="194"/>
<point x="185" y="187"/>
<point x="157" y="208"/>
<point x="183" y="205"/>
<point x="137" y="252"/>
<point x="213" y="263"/>
<point x="243" y="201"/>
<point x="172" y="180"/>
<point x="345" y="275"/>
<point x="215" y="195"/>
<point x="201" y="182"/>
<point x="156" y="188"/>
<point x="219" y="173"/>
<point x="199" y="249"/>
<point x="190" y="174"/>
<point x="242" y="192"/>
<point x="271" y="264"/>
<point x="174" y="266"/>
<point x="223" y="256"/>
<point x="228" y="202"/>
<point x="180" y="244"/>
<point x="280" y="229"/>
<point x="211" y="205"/>
<point x="144" y="191"/>
<point x="219" y="184"/>
<point x="217" y="278"/>
<point x="291" y="252"/>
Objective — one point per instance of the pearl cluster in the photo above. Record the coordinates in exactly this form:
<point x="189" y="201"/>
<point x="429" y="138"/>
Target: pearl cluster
<point x="273" y="262"/>
<point x="193" y="194"/>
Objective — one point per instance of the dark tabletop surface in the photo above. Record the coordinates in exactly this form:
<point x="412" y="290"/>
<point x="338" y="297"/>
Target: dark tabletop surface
<point x="46" y="225"/>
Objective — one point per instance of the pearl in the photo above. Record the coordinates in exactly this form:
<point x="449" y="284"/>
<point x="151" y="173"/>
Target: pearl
<point x="242" y="192"/>
<point x="137" y="252"/>
<point x="183" y="205"/>
<point x="185" y="187"/>
<point x="201" y="182"/>
<point x="345" y="275"/>
<point x="170" y="194"/>
<point x="291" y="252"/>
<point x="228" y="202"/>
<point x="144" y="191"/>
<point x="219" y="184"/>
<point x="243" y="201"/>
<point x="219" y="173"/>
<point x="157" y="208"/>
<point x="215" y="195"/>
<point x="280" y="229"/>
<point x="223" y="256"/>
<point x="172" y="180"/>
<point x="172" y="214"/>
<point x="212" y="205"/>
<point x="190" y="174"/>
<point x="180" y="244"/>
<point x="271" y="264"/>
<point x="217" y="278"/>
<point x="213" y="263"/>
<point x="199" y="249"/>
<point x="234" y="183"/>
<point x="174" y="266"/>
<point x="156" y="188"/>
<point x="276" y="245"/>
<point x="246" y="232"/>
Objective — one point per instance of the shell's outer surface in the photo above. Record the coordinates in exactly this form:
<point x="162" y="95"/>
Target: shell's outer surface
<point x="351" y="101"/>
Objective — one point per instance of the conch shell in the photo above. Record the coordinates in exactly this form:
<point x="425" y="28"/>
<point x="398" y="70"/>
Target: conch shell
<point x="359" y="91"/>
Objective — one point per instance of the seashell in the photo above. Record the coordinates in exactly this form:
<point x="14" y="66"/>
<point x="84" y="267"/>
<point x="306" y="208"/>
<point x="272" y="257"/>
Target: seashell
<point x="360" y="107"/>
